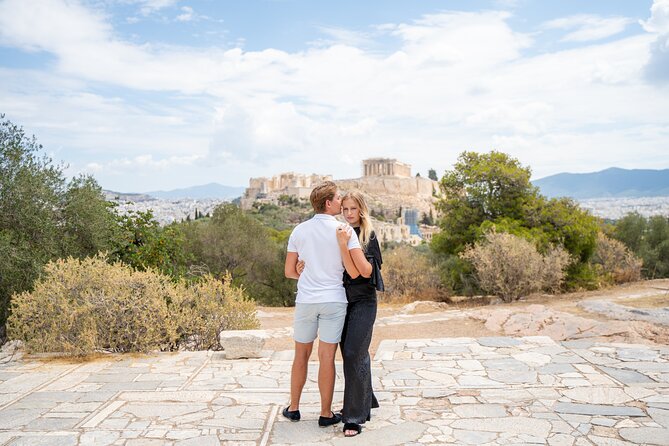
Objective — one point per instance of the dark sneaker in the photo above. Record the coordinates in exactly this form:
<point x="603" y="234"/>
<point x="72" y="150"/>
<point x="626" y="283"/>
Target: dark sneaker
<point x="292" y="415"/>
<point x="324" y="421"/>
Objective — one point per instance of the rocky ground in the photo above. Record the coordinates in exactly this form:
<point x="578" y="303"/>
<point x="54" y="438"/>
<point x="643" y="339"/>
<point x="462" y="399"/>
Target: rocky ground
<point x="572" y="370"/>
<point x="631" y="313"/>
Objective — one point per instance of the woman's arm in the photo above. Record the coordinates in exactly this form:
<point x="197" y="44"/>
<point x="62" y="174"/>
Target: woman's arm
<point x="354" y="259"/>
<point x="343" y="234"/>
<point x="361" y="263"/>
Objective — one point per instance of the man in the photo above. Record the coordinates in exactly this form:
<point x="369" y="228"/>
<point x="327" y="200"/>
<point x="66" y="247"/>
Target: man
<point x="320" y="306"/>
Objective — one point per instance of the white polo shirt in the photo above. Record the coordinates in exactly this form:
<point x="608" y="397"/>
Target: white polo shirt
<point x="315" y="242"/>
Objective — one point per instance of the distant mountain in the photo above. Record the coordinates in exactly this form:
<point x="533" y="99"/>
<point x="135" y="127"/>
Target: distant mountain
<point x="211" y="190"/>
<point x="110" y="195"/>
<point x="613" y="182"/>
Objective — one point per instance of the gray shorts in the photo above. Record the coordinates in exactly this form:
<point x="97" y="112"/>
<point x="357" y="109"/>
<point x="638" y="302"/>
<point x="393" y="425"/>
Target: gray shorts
<point x="325" y="319"/>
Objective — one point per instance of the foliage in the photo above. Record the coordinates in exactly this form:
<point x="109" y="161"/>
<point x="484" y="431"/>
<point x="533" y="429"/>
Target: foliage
<point x="428" y="219"/>
<point x="511" y="267"/>
<point x="648" y="238"/>
<point x="209" y="306"/>
<point x="615" y="262"/>
<point x="144" y="244"/>
<point x="432" y="174"/>
<point x="457" y="275"/>
<point x="236" y="243"/>
<point x="492" y="191"/>
<point x="409" y="274"/>
<point x="81" y="306"/>
<point x="90" y="224"/>
<point x="281" y="218"/>
<point x="30" y="191"/>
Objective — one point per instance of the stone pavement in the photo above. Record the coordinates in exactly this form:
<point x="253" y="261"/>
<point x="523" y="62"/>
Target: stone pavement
<point x="529" y="390"/>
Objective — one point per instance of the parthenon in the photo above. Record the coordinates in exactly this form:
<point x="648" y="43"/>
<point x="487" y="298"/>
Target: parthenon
<point x="374" y="167"/>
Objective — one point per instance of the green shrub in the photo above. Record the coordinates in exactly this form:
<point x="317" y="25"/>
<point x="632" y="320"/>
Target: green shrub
<point x="81" y="306"/>
<point x="648" y="238"/>
<point x="511" y="267"/>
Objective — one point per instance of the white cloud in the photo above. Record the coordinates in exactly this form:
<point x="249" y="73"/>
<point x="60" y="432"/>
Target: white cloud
<point x="587" y="28"/>
<point x="657" y="69"/>
<point x="455" y="81"/>
<point x="470" y="39"/>
<point x="659" y="18"/>
<point x="148" y="7"/>
<point x="343" y="36"/>
<point x="187" y="14"/>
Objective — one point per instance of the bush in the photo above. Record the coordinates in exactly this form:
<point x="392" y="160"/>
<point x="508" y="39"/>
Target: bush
<point x="510" y="267"/>
<point x="81" y="306"/>
<point x="409" y="275"/>
<point x="648" y="238"/>
<point x="210" y="306"/>
<point x="554" y="269"/>
<point x="614" y="262"/>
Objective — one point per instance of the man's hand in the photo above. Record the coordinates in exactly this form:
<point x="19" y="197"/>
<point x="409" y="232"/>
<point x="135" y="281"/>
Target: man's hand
<point x="300" y="267"/>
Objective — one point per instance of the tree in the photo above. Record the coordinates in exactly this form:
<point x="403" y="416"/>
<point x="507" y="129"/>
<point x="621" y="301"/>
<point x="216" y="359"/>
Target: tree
<point x="144" y="244"/>
<point x="493" y="191"/>
<point x="90" y="223"/>
<point x="648" y="238"/>
<point x="236" y="243"/>
<point x="30" y="192"/>
<point x="481" y="187"/>
<point x="432" y="174"/>
<point x="428" y="219"/>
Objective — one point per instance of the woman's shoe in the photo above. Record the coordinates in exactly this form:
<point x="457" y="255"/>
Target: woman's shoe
<point x="325" y="421"/>
<point x="292" y="415"/>
<point x="351" y="427"/>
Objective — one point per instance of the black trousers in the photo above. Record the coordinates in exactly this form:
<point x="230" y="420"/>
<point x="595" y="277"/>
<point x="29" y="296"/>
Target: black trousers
<point x="356" y="337"/>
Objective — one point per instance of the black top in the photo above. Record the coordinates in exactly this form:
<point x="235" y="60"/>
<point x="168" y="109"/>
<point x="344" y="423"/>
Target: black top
<point x="365" y="287"/>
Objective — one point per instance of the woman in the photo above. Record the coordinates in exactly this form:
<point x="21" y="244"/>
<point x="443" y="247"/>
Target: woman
<point x="361" y="282"/>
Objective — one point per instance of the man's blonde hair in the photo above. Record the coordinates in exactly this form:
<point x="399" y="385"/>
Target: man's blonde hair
<point x="322" y="193"/>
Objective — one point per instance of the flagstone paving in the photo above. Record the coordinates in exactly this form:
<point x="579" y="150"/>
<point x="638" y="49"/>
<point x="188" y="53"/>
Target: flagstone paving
<point x="485" y="391"/>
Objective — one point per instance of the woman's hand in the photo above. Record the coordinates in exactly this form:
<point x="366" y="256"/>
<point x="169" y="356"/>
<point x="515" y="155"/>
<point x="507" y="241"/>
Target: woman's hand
<point x="300" y="267"/>
<point x="344" y="234"/>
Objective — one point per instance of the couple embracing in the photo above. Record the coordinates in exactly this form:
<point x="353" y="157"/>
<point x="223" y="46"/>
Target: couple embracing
<point x="338" y="271"/>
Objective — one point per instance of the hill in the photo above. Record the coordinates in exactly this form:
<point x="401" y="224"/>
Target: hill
<point x="136" y="198"/>
<point x="211" y="190"/>
<point x="612" y="182"/>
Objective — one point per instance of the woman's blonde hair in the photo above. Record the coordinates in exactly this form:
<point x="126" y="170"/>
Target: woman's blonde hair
<point x="366" y="227"/>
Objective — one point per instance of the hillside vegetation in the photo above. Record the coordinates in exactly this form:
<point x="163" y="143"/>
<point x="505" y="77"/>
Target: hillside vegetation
<point x="494" y="225"/>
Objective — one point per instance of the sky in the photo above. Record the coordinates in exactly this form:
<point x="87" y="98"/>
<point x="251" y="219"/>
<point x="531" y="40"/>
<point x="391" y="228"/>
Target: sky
<point x="161" y="94"/>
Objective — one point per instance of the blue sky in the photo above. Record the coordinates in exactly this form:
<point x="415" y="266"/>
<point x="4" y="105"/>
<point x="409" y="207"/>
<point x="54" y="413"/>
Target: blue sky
<point x="161" y="94"/>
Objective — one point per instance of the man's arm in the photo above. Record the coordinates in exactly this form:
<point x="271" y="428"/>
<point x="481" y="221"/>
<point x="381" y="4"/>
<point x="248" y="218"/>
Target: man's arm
<point x="290" y="268"/>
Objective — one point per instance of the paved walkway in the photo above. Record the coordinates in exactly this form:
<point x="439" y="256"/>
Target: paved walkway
<point x="529" y="390"/>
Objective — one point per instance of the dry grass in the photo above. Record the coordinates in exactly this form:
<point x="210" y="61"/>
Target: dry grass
<point x="655" y="301"/>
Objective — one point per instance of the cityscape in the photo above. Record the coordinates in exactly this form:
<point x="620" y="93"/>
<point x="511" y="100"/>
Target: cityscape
<point x="169" y="211"/>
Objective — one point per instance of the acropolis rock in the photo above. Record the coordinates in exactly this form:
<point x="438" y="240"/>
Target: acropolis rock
<point x="386" y="184"/>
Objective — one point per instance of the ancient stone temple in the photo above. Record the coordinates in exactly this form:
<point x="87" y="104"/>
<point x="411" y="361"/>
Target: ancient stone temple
<point x="376" y="167"/>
